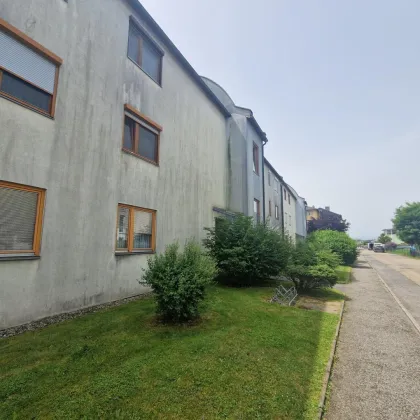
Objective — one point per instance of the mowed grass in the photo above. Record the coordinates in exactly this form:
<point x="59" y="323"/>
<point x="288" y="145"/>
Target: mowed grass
<point x="246" y="359"/>
<point x="344" y="274"/>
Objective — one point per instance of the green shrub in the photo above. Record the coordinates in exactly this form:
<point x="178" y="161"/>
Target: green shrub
<point x="327" y="257"/>
<point x="179" y="280"/>
<point x="312" y="277"/>
<point x="338" y="242"/>
<point x="246" y="253"/>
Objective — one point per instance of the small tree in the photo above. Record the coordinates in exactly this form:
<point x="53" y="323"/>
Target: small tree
<point x="246" y="253"/>
<point x="384" y="239"/>
<point x="407" y="222"/>
<point x="179" y="280"/>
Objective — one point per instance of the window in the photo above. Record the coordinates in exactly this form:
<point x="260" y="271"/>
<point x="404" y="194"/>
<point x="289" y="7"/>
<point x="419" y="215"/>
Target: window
<point x="141" y="135"/>
<point x="28" y="71"/>
<point x="276" y="212"/>
<point x="21" y="214"/>
<point x="257" y="210"/>
<point x="288" y="197"/>
<point x="269" y="178"/>
<point x="276" y="185"/>
<point x="269" y="207"/>
<point x="284" y="191"/>
<point x="135" y="229"/>
<point x="255" y="158"/>
<point x="145" y="52"/>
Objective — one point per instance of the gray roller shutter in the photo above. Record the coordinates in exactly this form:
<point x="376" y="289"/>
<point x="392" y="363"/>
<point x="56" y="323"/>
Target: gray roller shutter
<point x="26" y="63"/>
<point x="17" y="219"/>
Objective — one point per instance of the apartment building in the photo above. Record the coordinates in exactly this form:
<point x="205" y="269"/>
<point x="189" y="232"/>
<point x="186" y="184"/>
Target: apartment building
<point x="273" y="197"/>
<point x="289" y="210"/>
<point x="284" y="208"/>
<point x="245" y="142"/>
<point x="111" y="147"/>
<point x="300" y="214"/>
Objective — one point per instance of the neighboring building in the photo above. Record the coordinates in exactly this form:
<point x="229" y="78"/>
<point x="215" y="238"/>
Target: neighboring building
<point x="392" y="233"/>
<point x="284" y="208"/>
<point x="111" y="148"/>
<point x="289" y="210"/>
<point x="246" y="142"/>
<point x="312" y="213"/>
<point x="320" y="213"/>
<point x="273" y="197"/>
<point x="300" y="215"/>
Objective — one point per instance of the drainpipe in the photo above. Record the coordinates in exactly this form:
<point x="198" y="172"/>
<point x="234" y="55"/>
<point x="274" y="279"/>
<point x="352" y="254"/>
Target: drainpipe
<point x="263" y="182"/>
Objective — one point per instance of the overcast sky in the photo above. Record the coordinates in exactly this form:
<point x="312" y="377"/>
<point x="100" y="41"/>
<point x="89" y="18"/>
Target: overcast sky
<point x="334" y="84"/>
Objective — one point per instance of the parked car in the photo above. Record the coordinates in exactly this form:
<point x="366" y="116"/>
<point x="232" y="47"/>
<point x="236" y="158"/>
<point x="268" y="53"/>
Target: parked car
<point x="377" y="247"/>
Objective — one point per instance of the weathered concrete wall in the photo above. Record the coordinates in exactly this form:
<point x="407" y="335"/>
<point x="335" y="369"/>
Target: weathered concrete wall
<point x="300" y="217"/>
<point x="244" y="184"/>
<point x="77" y="157"/>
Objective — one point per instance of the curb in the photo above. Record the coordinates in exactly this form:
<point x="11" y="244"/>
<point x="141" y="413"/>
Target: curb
<point x="328" y="370"/>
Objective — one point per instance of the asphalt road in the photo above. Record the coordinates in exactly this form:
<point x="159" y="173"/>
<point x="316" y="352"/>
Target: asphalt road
<point x="376" y="373"/>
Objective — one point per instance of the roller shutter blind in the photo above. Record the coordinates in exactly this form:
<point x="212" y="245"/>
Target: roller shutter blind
<point x="21" y="60"/>
<point x="18" y="215"/>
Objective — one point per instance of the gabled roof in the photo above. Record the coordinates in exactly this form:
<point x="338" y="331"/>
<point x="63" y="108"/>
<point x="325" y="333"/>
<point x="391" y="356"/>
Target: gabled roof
<point x="157" y="30"/>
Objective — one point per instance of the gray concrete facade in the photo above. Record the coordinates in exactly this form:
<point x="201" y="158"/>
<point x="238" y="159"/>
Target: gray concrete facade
<point x="77" y="157"/>
<point x="243" y="132"/>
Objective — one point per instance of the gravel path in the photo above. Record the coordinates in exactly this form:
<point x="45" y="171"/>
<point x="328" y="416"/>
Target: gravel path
<point x="377" y="369"/>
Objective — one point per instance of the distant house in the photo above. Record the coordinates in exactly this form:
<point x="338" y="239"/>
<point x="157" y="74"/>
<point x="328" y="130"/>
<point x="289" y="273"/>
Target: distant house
<point x="392" y="233"/>
<point x="324" y="218"/>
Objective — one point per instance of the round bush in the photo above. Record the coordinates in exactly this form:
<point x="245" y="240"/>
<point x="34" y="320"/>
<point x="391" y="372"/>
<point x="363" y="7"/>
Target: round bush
<point x="178" y="280"/>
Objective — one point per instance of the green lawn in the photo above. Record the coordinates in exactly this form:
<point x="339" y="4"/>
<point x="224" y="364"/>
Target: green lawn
<point x="245" y="359"/>
<point x="344" y="274"/>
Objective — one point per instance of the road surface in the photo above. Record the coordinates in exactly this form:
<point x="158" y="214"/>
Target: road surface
<point x="376" y="373"/>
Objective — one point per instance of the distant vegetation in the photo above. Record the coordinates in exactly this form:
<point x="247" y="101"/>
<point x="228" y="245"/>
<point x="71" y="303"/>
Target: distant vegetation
<point x="407" y="222"/>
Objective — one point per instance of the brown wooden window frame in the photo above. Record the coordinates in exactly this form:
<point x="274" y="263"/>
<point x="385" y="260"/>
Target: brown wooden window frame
<point x="255" y="158"/>
<point x="140" y="119"/>
<point x="142" y="35"/>
<point x="276" y="212"/>
<point x="39" y="49"/>
<point x="130" y="238"/>
<point x="39" y="218"/>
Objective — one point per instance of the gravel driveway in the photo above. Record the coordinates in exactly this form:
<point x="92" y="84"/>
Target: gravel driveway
<point x="377" y="369"/>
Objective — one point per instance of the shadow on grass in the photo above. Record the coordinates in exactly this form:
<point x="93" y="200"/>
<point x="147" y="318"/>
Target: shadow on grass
<point x="246" y="359"/>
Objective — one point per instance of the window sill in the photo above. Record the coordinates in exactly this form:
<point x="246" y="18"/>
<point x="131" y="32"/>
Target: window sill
<point x="124" y="253"/>
<point x="147" y="74"/>
<point x="129" y="152"/>
<point x="18" y="257"/>
<point x="26" y="105"/>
